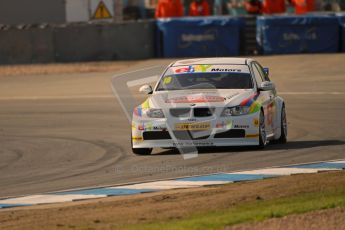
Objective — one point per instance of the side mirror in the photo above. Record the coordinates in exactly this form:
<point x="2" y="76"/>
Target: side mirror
<point x="267" y="71"/>
<point x="267" y="86"/>
<point x="147" y="89"/>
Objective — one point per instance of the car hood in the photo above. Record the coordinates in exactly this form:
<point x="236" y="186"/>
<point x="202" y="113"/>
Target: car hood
<point x="199" y="98"/>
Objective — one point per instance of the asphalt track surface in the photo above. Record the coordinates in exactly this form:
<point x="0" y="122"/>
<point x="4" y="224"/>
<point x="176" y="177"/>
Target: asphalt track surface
<point x="67" y="131"/>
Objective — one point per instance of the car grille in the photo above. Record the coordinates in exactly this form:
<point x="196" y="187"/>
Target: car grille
<point x="156" y="135"/>
<point x="180" y="112"/>
<point x="232" y="133"/>
<point x="187" y="135"/>
<point x="164" y="135"/>
<point x="203" y="112"/>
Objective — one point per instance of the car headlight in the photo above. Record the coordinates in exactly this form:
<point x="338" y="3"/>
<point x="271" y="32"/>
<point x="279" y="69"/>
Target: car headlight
<point x="155" y="113"/>
<point x="235" y="111"/>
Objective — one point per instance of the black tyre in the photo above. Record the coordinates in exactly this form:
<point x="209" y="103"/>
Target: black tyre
<point x="262" y="131"/>
<point x="141" y="151"/>
<point x="283" y="125"/>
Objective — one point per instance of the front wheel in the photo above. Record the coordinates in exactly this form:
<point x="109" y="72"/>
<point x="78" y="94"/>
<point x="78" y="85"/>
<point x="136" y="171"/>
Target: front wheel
<point x="142" y="151"/>
<point x="262" y="131"/>
<point x="283" y="130"/>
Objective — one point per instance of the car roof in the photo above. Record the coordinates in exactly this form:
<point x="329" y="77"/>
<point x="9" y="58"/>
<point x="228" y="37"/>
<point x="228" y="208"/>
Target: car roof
<point x="212" y="61"/>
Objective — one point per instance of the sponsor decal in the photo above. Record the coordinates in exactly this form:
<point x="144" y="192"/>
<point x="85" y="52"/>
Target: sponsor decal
<point x="145" y="126"/>
<point x="201" y="68"/>
<point x="224" y="124"/>
<point x="195" y="99"/>
<point x="163" y="128"/>
<point x="253" y="102"/>
<point x="193" y="126"/>
<point x="198" y="37"/>
<point x="192" y="69"/>
<point x="256" y="122"/>
<point x="270" y="111"/>
<point x="231" y="96"/>
<point x="137" y="138"/>
<point x="225" y="70"/>
<point x="138" y="111"/>
<point x="134" y="126"/>
<point x="241" y="126"/>
<point x="204" y="68"/>
<point x="291" y="37"/>
<point x="167" y="80"/>
<point x="192" y="143"/>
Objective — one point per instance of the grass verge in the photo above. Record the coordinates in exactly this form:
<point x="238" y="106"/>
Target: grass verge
<point x="255" y="211"/>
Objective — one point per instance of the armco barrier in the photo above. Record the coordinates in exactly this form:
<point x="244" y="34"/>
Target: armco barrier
<point x="77" y="42"/>
<point x="199" y="37"/>
<point x="298" y="34"/>
<point x="26" y="45"/>
<point x="105" y="42"/>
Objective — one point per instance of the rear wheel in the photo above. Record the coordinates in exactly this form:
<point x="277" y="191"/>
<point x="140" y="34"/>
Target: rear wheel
<point x="262" y="131"/>
<point x="283" y="127"/>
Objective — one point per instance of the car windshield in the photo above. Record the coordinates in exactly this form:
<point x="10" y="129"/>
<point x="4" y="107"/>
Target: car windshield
<point x="206" y="80"/>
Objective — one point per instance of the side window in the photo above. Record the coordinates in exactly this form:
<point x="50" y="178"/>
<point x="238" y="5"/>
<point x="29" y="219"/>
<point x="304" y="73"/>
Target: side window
<point x="262" y="73"/>
<point x="257" y="75"/>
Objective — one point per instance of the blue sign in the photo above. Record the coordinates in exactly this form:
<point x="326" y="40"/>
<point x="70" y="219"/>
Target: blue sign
<point x="298" y="34"/>
<point x="199" y="36"/>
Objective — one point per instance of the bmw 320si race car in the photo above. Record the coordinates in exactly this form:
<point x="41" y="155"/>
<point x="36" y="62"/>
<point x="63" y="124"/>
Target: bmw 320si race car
<point x="209" y="102"/>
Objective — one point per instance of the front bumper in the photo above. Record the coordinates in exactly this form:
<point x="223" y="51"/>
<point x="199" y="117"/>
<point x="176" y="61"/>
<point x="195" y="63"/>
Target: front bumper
<point x="220" y="131"/>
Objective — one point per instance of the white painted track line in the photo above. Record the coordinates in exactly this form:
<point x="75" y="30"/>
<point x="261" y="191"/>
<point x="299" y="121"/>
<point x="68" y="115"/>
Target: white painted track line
<point x="335" y="162"/>
<point x="47" y="199"/>
<point x="172" y="184"/>
<point x="311" y="93"/>
<point x="283" y="171"/>
<point x="142" y="81"/>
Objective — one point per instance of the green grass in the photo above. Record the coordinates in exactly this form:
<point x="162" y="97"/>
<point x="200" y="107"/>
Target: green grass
<point x="254" y="211"/>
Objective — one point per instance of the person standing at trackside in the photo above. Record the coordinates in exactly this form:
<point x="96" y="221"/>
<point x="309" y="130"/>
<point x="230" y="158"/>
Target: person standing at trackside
<point x="169" y="8"/>
<point x="199" y="8"/>
<point x="303" y="6"/>
<point x="273" y="6"/>
<point x="253" y="7"/>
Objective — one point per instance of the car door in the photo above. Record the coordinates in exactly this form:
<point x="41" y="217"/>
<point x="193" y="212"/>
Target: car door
<point x="267" y="98"/>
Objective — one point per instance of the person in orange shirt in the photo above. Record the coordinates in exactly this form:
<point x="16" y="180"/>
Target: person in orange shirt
<point x="199" y="8"/>
<point x="253" y="7"/>
<point x="303" y="6"/>
<point x="273" y="6"/>
<point x="169" y="8"/>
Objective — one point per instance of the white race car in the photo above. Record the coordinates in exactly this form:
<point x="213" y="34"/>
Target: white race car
<point x="209" y="102"/>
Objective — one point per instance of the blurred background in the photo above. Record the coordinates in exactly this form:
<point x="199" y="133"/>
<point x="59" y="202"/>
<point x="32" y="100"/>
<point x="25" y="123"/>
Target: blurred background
<point x="43" y="31"/>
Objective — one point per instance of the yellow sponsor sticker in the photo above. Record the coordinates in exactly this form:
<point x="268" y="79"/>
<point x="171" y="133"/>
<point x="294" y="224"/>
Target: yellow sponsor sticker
<point x="167" y="80"/>
<point x="146" y="104"/>
<point x="256" y="122"/>
<point x="252" y="135"/>
<point x="134" y="138"/>
<point x="193" y="126"/>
